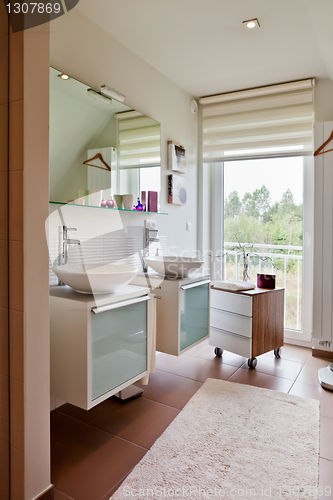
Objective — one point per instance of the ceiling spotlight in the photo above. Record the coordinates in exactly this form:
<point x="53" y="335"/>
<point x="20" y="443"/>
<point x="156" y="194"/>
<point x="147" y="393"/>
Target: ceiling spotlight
<point x="112" y="93"/>
<point x="251" y="24"/>
<point x="63" y="76"/>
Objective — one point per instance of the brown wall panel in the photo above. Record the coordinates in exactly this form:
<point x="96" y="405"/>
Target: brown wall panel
<point x="4" y="256"/>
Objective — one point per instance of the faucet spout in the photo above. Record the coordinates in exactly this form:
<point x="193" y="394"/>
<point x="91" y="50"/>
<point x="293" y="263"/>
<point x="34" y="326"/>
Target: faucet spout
<point x="65" y="241"/>
<point x="73" y="242"/>
<point x="148" y="238"/>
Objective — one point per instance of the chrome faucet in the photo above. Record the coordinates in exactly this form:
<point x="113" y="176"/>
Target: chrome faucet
<point x="67" y="241"/>
<point x="147" y="238"/>
<point x="64" y="241"/>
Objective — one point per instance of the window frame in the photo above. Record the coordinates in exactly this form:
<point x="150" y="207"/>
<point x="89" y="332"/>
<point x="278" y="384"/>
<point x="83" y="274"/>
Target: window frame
<point x="217" y="241"/>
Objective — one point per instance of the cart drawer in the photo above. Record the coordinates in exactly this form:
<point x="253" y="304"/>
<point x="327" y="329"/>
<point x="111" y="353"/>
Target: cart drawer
<point x="234" y="323"/>
<point x="231" y="342"/>
<point x="231" y="302"/>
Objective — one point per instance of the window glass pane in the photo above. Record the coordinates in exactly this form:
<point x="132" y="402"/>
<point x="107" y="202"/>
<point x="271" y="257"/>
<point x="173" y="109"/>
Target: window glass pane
<point x="263" y="212"/>
<point x="150" y="179"/>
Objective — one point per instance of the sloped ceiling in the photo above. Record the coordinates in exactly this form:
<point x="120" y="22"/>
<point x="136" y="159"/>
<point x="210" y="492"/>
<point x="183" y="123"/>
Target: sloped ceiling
<point x="202" y="46"/>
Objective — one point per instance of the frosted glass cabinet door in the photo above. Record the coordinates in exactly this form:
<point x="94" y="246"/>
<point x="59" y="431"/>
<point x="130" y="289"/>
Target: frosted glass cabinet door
<point x="118" y="347"/>
<point x="194" y="315"/>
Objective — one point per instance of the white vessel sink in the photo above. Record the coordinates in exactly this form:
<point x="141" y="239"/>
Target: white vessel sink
<point x="174" y="267"/>
<point x="95" y="278"/>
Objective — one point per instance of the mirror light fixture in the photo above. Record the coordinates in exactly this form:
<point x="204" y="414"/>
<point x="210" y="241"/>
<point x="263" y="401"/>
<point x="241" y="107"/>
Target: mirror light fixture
<point x="63" y="76"/>
<point x="112" y="93"/>
<point x="251" y="24"/>
<point x="99" y="96"/>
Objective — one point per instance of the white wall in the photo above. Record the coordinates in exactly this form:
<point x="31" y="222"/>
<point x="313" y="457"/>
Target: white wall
<point x="89" y="54"/>
<point x="323" y="100"/>
<point x="323" y="113"/>
<point x="35" y="257"/>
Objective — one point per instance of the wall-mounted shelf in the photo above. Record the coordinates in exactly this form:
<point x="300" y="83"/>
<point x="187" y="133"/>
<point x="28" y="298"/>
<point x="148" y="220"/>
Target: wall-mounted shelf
<point x="106" y="208"/>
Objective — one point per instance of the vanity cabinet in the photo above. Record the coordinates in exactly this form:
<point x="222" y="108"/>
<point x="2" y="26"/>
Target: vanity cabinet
<point x="247" y="323"/>
<point x="98" y="346"/>
<point x="182" y="311"/>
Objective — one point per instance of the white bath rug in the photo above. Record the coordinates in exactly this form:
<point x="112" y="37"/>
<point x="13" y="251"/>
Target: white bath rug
<point x="233" y="441"/>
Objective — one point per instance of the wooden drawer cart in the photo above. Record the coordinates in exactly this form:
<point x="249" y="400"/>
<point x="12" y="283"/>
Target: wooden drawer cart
<point x="247" y="323"/>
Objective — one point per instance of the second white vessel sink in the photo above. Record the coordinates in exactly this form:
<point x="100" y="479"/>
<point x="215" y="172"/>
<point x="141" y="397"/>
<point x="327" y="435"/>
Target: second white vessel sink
<point x="95" y="278"/>
<point x="174" y="267"/>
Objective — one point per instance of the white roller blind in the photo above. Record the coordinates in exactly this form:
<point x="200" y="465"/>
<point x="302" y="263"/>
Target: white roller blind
<point x="138" y="140"/>
<point x="264" y="122"/>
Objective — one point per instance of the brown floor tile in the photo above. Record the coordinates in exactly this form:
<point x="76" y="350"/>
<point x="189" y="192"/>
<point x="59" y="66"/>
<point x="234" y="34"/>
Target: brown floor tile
<point x="114" y="489"/>
<point x="171" y="390"/>
<point x="152" y="377"/>
<point x="62" y="427"/>
<point x="16" y="343"/>
<point x="326" y="438"/>
<point x="253" y="377"/>
<point x="92" y="461"/>
<point x="4" y="323"/>
<point x="201" y="369"/>
<point x="16" y="205"/>
<point x="4" y="66"/>
<point x="88" y="464"/>
<point x="326" y="477"/>
<point x="16" y="69"/>
<point x="197" y="348"/>
<point x="4" y="212"/>
<point x="58" y="495"/>
<point x="16" y="401"/>
<point x="309" y="372"/>
<point x="315" y="392"/>
<point x="228" y="358"/>
<point x="16" y="275"/>
<point x="16" y="135"/>
<point x="4" y="269"/>
<point x="88" y="416"/>
<point x="166" y="362"/>
<point x="140" y="421"/>
<point x="16" y="473"/>
<point x="293" y="353"/>
<point x="278" y="367"/>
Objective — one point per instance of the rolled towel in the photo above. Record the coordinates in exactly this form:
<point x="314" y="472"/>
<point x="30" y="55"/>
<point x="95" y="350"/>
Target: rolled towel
<point x="233" y="285"/>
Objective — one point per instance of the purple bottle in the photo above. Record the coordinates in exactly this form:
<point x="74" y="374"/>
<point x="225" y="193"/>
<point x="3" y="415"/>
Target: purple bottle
<point x="139" y="206"/>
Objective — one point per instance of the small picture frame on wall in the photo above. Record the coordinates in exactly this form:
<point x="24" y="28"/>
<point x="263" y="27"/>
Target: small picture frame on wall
<point x="177" y="194"/>
<point x="176" y="157"/>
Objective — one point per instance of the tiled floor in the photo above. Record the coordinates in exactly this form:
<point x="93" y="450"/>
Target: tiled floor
<point x="92" y="452"/>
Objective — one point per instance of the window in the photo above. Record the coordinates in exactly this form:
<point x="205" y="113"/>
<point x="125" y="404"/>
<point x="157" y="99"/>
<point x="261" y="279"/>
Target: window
<point x="263" y="210"/>
<point x="256" y="153"/>
<point x="267" y="207"/>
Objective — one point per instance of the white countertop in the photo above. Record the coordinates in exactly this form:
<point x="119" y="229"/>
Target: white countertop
<point x="153" y="279"/>
<point x="123" y="293"/>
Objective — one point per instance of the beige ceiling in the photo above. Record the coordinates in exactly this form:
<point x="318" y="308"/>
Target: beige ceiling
<point x="202" y="46"/>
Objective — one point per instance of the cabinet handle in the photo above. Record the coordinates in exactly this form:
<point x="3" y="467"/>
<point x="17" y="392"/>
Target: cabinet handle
<point x="194" y="285"/>
<point x="117" y="305"/>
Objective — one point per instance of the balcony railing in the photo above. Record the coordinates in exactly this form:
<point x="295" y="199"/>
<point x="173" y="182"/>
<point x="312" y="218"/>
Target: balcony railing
<point x="282" y="260"/>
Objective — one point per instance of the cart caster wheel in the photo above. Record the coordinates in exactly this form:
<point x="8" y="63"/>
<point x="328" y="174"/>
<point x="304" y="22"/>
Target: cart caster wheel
<point x="252" y="363"/>
<point x="218" y="352"/>
<point x="277" y="352"/>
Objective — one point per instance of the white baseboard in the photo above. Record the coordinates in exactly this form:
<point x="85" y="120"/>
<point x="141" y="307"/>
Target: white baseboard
<point x="300" y="343"/>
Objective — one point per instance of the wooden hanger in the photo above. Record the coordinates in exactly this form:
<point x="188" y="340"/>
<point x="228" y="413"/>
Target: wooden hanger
<point x="99" y="157"/>
<point x="316" y="153"/>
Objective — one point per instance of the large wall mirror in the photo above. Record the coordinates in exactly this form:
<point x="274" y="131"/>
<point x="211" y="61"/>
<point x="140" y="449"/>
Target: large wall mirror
<point x="99" y="145"/>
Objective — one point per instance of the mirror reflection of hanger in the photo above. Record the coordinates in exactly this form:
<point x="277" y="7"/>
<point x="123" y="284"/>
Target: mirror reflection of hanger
<point x="99" y="157"/>
<point x="317" y="152"/>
